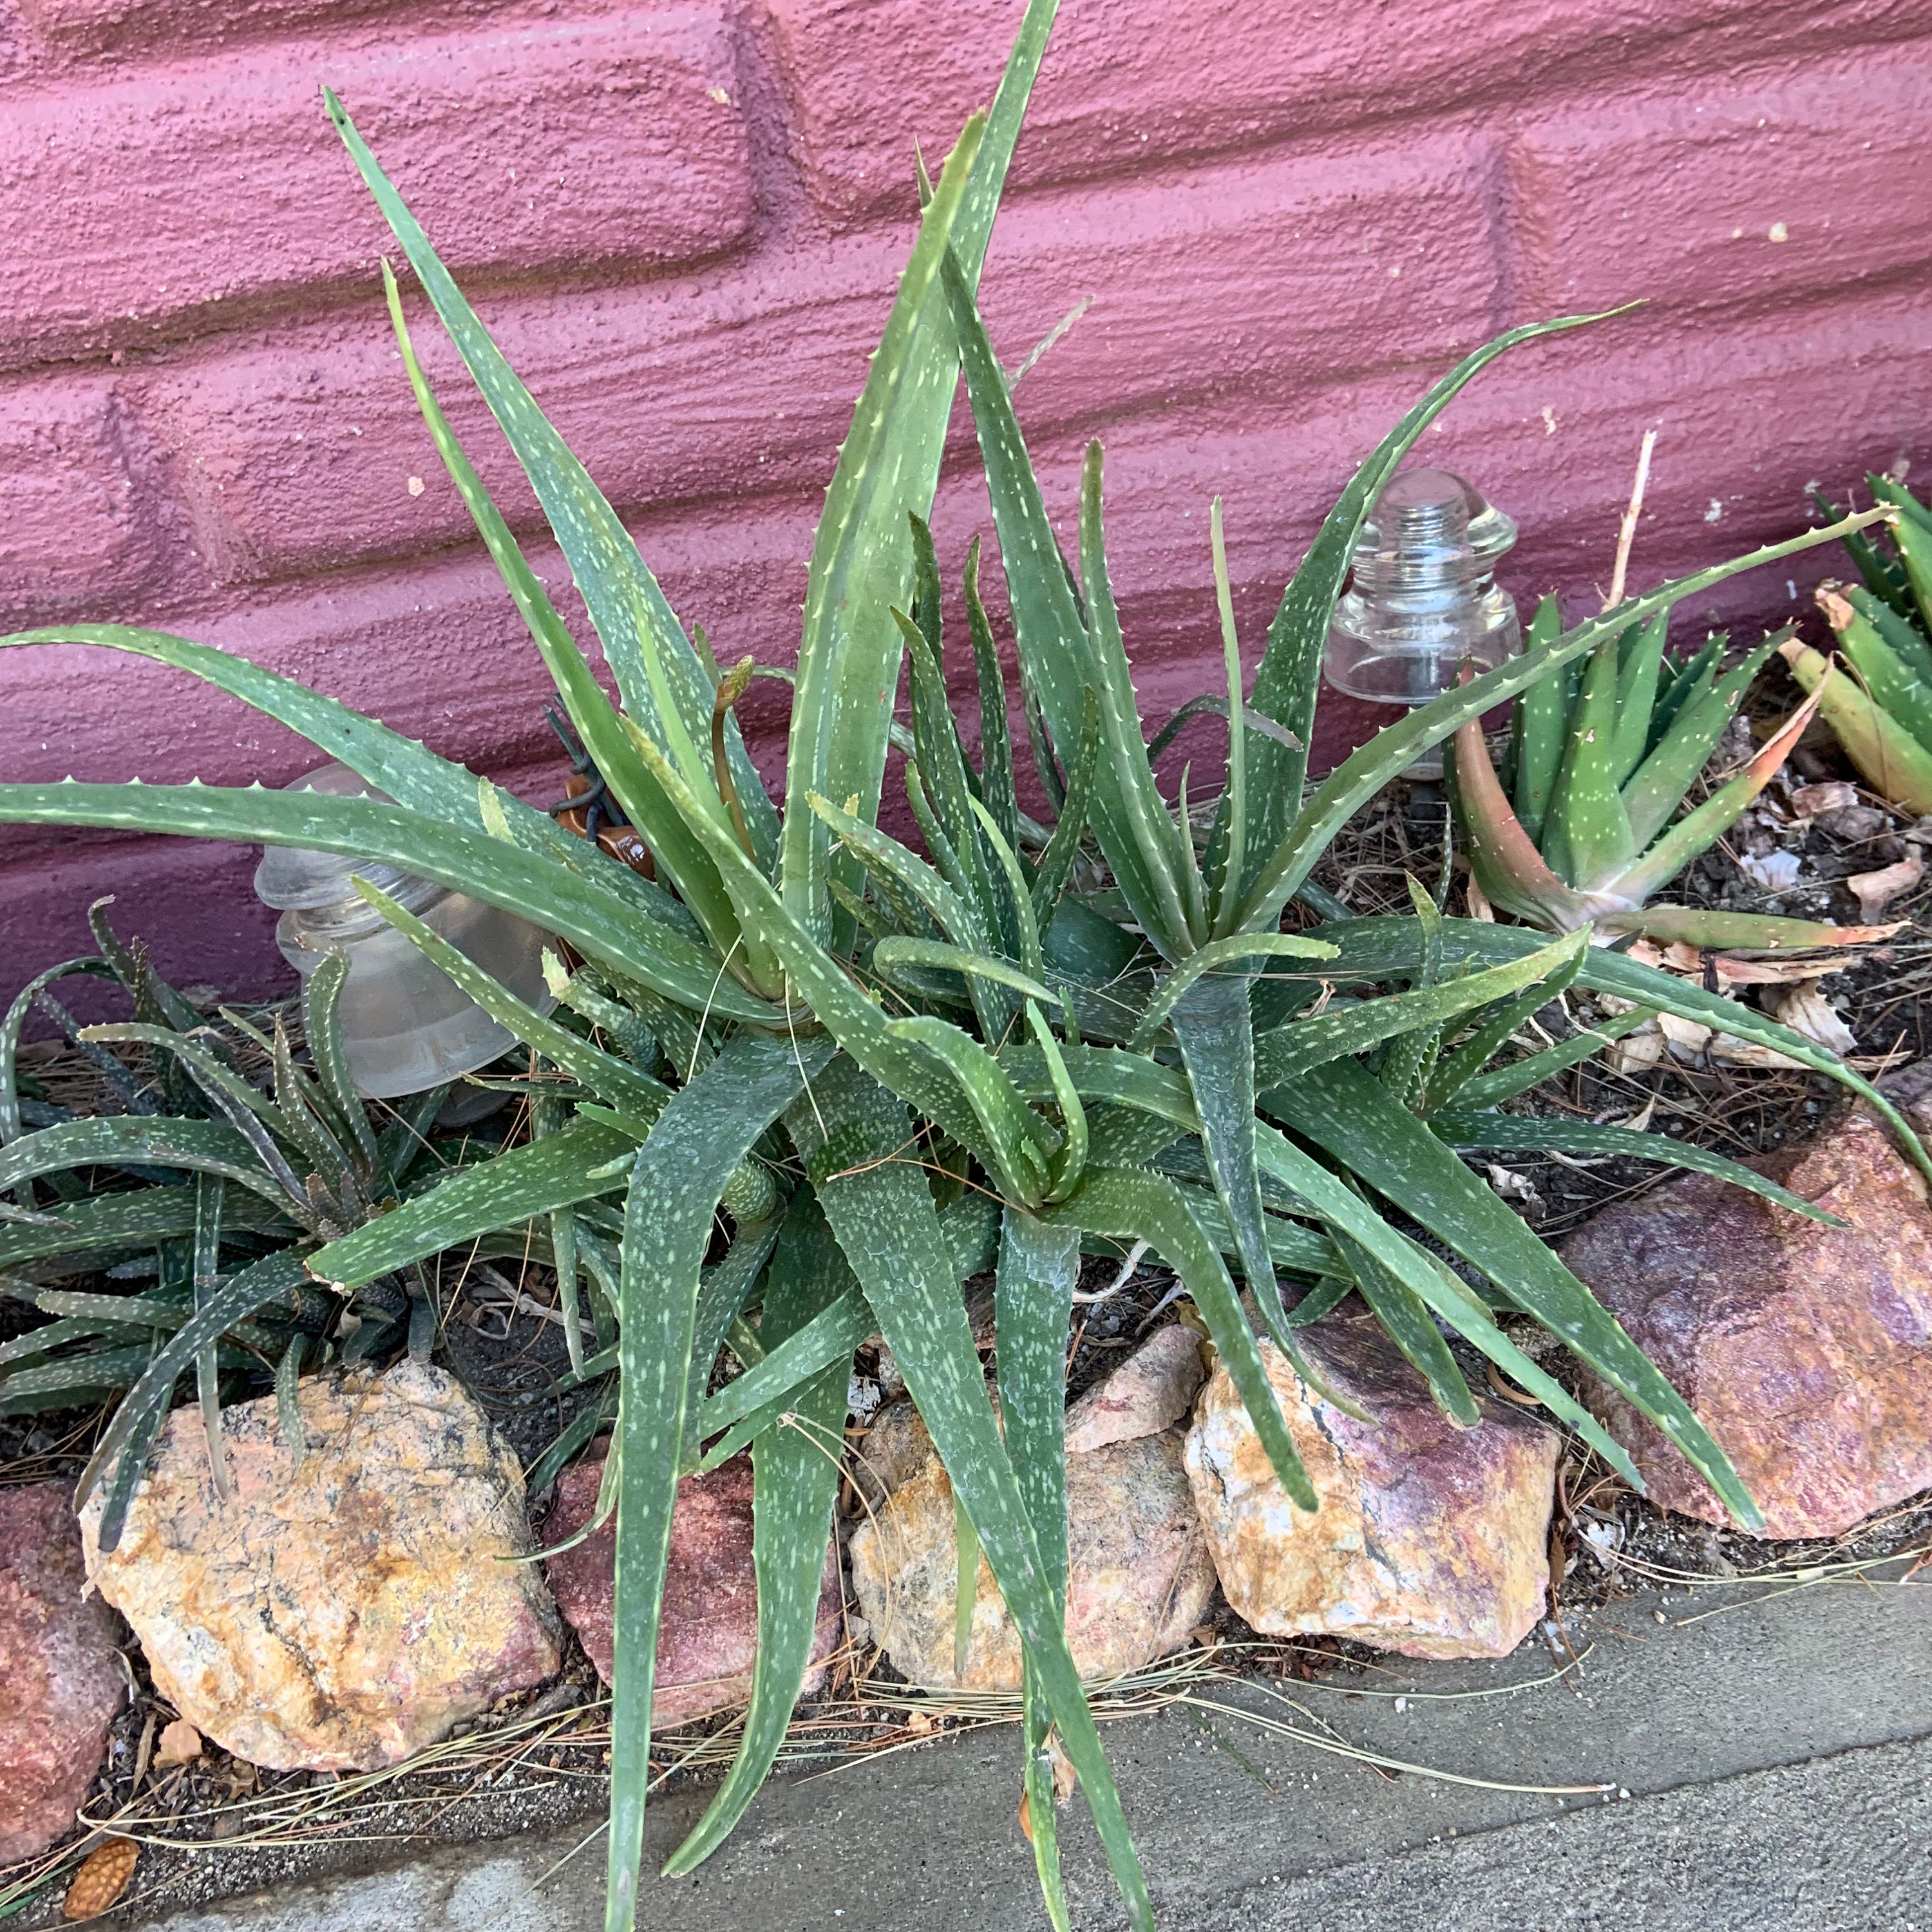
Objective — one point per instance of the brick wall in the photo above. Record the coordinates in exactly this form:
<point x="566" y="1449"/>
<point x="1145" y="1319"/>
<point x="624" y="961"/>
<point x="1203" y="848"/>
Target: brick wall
<point x="684" y="222"/>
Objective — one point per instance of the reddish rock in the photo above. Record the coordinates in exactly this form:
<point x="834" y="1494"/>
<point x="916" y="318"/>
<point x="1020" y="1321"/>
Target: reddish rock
<point x="1430" y="1540"/>
<point x="60" y="1680"/>
<point x="708" y="1640"/>
<point x="1151" y="1390"/>
<point x="1805" y="1350"/>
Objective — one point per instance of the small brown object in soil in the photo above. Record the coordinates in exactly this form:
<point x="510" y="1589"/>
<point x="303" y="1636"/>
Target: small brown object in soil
<point x="180" y="1743"/>
<point x="101" y="1880"/>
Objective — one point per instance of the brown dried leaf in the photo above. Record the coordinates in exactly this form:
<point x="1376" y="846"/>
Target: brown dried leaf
<point x="101" y="1880"/>
<point x="1806" y="1010"/>
<point x="180" y="1743"/>
<point x="1834" y="795"/>
<point x="1875" y="891"/>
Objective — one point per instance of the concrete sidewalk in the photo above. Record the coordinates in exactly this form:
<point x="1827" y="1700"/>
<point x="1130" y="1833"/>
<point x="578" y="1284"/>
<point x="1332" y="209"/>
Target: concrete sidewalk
<point x="1770" y="1765"/>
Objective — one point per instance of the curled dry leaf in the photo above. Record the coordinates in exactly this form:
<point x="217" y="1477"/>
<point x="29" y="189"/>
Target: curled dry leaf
<point x="1515" y="1187"/>
<point x="1772" y="871"/>
<point x="180" y="1743"/>
<point x="1834" y="795"/>
<point x="101" y="1880"/>
<point x="1875" y="891"/>
<point x="1806" y="1010"/>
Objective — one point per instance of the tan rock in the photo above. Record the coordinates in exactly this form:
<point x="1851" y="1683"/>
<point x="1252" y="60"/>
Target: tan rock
<point x="708" y="1634"/>
<point x="61" y="1681"/>
<point x="1805" y="1350"/>
<point x="1430" y="1540"/>
<point x="341" y="1610"/>
<point x="1140" y="1578"/>
<point x="1151" y="1390"/>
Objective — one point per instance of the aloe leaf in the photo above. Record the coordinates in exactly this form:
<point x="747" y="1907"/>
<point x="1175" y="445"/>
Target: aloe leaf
<point x="1410" y="1325"/>
<point x="1144" y="1207"/>
<point x="1536" y="727"/>
<point x="1912" y="532"/>
<point x="890" y="954"/>
<point x="996" y="750"/>
<point x="1014" y="1137"/>
<point x="1342" y="1109"/>
<point x="708" y="1127"/>
<point x="1686" y="684"/>
<point x="591" y="712"/>
<point x="1702" y="826"/>
<point x="1231" y="855"/>
<point x="1487" y="1090"/>
<point x="52" y="1336"/>
<point x="1066" y="1165"/>
<point x="1206" y="960"/>
<point x="271" y="1278"/>
<point x="10" y="1125"/>
<point x="600" y="922"/>
<point x="529" y="1180"/>
<point x="1639" y="664"/>
<point x="1586" y="838"/>
<point x="829" y="1336"/>
<point x="1487" y="1038"/>
<point x="322" y="1027"/>
<point x="139" y="1218"/>
<point x="885" y="857"/>
<point x="1894" y="684"/>
<point x="795" y="1473"/>
<point x="133" y="1140"/>
<point x="1283" y="872"/>
<point x="722" y="1291"/>
<point x="1907" y="642"/>
<point x="1657" y="787"/>
<point x="1056" y="861"/>
<point x="1289" y="678"/>
<point x="881" y="1210"/>
<point x="1470" y="1130"/>
<point x="1021" y="924"/>
<point x="616" y="1081"/>
<point x="888" y="465"/>
<point x="1893" y="762"/>
<point x="1050" y="628"/>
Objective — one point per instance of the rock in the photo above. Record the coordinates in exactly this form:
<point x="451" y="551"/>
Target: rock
<point x="1430" y="1540"/>
<point x="893" y="1449"/>
<point x="1139" y="1576"/>
<point x="1805" y="1350"/>
<point x="708" y="1640"/>
<point x="61" y="1680"/>
<point x="1153" y="1389"/>
<point x="341" y="1610"/>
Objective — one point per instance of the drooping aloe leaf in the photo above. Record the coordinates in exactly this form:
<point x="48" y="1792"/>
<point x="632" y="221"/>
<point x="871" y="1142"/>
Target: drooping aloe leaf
<point x="1342" y="1109"/>
<point x="829" y="1336"/>
<point x="1504" y="1083"/>
<point x="1015" y="1139"/>
<point x="881" y="1210"/>
<point x="1530" y="1133"/>
<point x="619" y="591"/>
<point x="528" y="1181"/>
<point x="795" y="1475"/>
<point x="10" y="1125"/>
<point x="890" y="954"/>
<point x="1283" y="871"/>
<point x="500" y="874"/>
<point x="708" y="1127"/>
<point x="888" y="466"/>
<point x="139" y="1218"/>
<point x="137" y="1140"/>
<point x="1486" y="1039"/>
<point x="1288" y="680"/>
<point x="894" y="864"/>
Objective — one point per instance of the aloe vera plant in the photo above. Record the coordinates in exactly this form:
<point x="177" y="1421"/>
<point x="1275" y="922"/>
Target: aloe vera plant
<point x="1600" y="761"/>
<point x="891" y="1070"/>
<point x="1880" y="703"/>
<point x="208" y="1188"/>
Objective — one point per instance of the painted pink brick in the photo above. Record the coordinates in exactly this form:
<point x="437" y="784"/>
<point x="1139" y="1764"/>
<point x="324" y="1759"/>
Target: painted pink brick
<point x="1730" y="190"/>
<point x="1125" y="91"/>
<point x="1259" y="281"/>
<point x="121" y="27"/>
<point x="217" y="183"/>
<point x="76" y="533"/>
